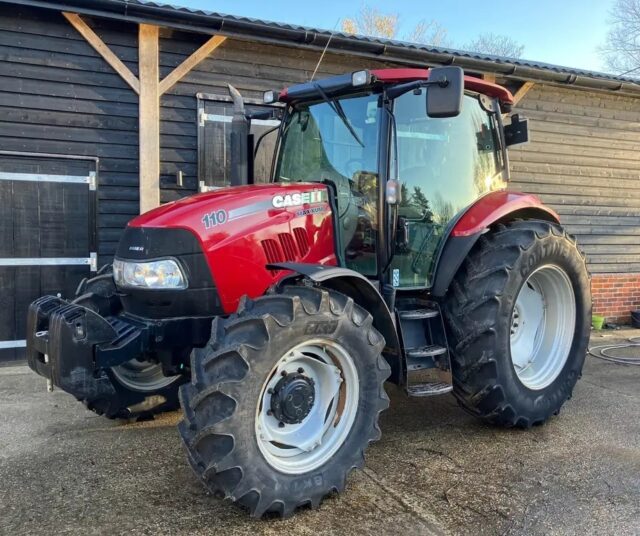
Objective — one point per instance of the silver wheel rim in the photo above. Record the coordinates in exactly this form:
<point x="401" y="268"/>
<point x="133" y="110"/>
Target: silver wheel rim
<point x="144" y="376"/>
<point x="303" y="447"/>
<point x="542" y="326"/>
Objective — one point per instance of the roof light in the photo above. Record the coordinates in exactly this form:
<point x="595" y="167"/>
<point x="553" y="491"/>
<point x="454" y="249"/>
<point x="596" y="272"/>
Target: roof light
<point x="271" y="96"/>
<point x="360" y="78"/>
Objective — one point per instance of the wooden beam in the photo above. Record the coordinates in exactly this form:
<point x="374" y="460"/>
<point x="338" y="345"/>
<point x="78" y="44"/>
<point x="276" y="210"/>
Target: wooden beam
<point x="149" y="117"/>
<point x="102" y="49"/>
<point x="181" y="70"/>
<point x="524" y="89"/>
<point x="489" y="77"/>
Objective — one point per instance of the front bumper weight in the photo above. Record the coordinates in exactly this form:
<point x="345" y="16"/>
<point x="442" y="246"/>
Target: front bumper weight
<point x="61" y="338"/>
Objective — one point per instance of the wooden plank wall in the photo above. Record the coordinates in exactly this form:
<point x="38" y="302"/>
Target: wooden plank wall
<point x="584" y="161"/>
<point x="57" y="95"/>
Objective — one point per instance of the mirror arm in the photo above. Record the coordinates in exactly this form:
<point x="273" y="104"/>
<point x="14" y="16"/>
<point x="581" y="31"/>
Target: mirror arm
<point x="395" y="91"/>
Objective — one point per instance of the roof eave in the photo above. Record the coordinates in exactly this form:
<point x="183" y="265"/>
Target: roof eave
<point x="261" y="31"/>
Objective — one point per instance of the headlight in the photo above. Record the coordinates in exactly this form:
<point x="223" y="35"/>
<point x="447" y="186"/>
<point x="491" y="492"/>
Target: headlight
<point x="162" y="274"/>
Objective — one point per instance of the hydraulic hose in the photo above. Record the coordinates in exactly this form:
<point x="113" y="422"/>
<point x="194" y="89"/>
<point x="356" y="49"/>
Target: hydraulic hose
<point x="603" y="351"/>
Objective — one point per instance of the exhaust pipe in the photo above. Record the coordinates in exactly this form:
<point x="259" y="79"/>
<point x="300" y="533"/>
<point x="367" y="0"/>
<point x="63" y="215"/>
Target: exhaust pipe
<point x="239" y="140"/>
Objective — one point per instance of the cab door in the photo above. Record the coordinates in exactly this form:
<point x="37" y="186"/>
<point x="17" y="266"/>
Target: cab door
<point x="443" y="165"/>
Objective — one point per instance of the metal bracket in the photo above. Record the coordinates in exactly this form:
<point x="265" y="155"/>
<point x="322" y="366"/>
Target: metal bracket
<point x="218" y="118"/>
<point x="44" y="177"/>
<point x="12" y="344"/>
<point x="46" y="261"/>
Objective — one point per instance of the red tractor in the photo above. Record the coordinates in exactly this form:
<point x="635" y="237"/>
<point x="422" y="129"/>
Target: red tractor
<point x="384" y="248"/>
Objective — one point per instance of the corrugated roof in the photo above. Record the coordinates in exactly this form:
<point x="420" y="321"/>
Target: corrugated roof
<point x="382" y="49"/>
<point x="395" y="42"/>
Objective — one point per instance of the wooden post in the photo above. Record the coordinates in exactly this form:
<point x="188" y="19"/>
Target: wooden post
<point x="149" y="88"/>
<point x="149" y="117"/>
<point x="524" y="89"/>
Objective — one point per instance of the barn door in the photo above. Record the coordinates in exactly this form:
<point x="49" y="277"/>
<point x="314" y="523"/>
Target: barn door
<point x="47" y="235"/>
<point x="214" y="140"/>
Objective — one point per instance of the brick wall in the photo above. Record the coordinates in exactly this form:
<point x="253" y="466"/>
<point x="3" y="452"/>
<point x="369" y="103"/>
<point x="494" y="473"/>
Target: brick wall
<point x="615" y="295"/>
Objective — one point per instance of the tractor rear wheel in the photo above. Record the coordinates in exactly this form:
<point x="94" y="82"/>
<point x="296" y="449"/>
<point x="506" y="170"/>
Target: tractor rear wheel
<point x="518" y="316"/>
<point x="284" y="399"/>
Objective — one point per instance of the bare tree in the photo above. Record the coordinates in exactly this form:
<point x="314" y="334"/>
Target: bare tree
<point x="373" y="22"/>
<point x="495" y="45"/>
<point x="621" y="51"/>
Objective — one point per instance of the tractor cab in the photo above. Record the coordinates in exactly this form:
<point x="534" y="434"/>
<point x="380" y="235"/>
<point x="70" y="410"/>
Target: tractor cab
<point x="404" y="152"/>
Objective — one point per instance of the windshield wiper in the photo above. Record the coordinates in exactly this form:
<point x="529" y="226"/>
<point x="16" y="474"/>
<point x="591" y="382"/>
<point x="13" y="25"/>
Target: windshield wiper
<point x="339" y="110"/>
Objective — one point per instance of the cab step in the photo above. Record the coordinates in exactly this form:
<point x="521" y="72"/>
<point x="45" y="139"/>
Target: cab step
<point x="429" y="389"/>
<point x="430" y="350"/>
<point x="427" y="367"/>
<point x="419" y="314"/>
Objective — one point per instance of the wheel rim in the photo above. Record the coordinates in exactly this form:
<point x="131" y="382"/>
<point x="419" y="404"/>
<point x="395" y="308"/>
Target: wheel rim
<point x="329" y="371"/>
<point x="142" y="376"/>
<point x="542" y="326"/>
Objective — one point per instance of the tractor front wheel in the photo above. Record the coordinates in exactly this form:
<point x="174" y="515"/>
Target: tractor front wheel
<point x="518" y="316"/>
<point x="284" y="399"/>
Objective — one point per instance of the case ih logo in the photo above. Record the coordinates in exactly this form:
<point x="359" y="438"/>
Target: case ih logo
<point x="295" y="200"/>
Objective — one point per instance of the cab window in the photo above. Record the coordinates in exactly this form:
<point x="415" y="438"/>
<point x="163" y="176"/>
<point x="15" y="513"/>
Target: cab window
<point x="318" y="146"/>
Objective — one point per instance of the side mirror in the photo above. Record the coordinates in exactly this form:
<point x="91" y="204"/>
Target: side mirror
<point x="517" y="132"/>
<point x="445" y="92"/>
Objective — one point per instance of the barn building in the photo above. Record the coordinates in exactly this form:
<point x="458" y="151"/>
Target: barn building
<point x="110" y="107"/>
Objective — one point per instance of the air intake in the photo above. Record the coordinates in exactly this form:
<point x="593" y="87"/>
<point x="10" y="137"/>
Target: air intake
<point x="272" y="251"/>
<point x="302" y="239"/>
<point x="288" y="246"/>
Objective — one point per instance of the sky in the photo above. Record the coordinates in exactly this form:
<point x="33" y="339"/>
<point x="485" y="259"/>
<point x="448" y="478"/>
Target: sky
<point x="562" y="32"/>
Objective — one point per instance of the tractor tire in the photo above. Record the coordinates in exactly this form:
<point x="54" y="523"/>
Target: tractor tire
<point x="138" y="388"/>
<point x="518" y="317"/>
<point x="240" y="409"/>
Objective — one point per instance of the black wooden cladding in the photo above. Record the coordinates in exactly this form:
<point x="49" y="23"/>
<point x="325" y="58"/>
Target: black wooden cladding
<point x="57" y="95"/>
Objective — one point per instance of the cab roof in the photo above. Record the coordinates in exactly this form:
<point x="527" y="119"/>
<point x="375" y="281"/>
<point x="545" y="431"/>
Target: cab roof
<point x="341" y="83"/>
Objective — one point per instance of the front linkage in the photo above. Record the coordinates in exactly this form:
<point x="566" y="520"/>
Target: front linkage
<point x="80" y="345"/>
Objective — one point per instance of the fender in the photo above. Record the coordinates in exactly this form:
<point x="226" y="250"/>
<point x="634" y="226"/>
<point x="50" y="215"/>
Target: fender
<point x="495" y="207"/>
<point x="363" y="292"/>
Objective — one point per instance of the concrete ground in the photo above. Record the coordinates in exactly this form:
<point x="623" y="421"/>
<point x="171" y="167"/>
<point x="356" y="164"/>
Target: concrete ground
<point x="64" y="470"/>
